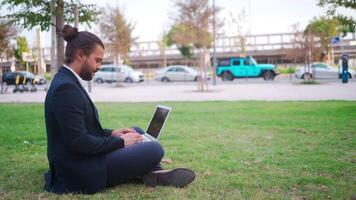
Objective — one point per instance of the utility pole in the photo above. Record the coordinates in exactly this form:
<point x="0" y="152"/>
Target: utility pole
<point x="214" y="45"/>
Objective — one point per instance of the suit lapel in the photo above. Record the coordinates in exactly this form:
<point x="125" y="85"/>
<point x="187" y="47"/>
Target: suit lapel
<point x="75" y="79"/>
<point x="91" y="102"/>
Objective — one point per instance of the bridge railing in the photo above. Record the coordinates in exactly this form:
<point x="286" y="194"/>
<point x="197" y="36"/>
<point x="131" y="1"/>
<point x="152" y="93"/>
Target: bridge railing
<point x="226" y="44"/>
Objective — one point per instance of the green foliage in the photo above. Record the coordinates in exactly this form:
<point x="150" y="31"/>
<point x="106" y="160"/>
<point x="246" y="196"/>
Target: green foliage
<point x="348" y="22"/>
<point x="187" y="35"/>
<point x="333" y="4"/>
<point x="239" y="150"/>
<point x="191" y="29"/>
<point x="310" y="82"/>
<point x="182" y="36"/>
<point x="286" y="70"/>
<point x="193" y="23"/>
<point x="48" y="76"/>
<point x="325" y="29"/>
<point x="21" y="47"/>
<point x="31" y="13"/>
<point x="186" y="51"/>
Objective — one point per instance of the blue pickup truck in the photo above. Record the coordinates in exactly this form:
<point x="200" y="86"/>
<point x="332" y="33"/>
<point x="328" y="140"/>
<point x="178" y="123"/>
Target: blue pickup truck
<point x="241" y="67"/>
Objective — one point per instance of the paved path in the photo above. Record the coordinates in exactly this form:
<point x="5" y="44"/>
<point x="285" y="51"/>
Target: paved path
<point x="228" y="92"/>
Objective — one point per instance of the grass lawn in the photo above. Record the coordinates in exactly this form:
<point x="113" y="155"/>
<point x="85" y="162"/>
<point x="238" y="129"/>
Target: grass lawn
<point x="239" y="150"/>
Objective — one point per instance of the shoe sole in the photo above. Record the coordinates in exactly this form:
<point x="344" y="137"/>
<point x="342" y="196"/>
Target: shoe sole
<point x="179" y="177"/>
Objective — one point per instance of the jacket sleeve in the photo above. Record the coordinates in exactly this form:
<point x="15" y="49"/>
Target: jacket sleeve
<point x="107" y="132"/>
<point x="69" y="110"/>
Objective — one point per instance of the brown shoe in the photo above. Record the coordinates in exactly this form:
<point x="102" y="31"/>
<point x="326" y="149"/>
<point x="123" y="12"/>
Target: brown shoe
<point x="178" y="177"/>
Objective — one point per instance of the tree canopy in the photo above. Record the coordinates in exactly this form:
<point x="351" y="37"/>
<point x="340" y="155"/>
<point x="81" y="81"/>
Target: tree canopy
<point x="324" y="28"/>
<point x="32" y="13"/>
<point x="21" y="47"/>
<point x="117" y="31"/>
<point x="7" y="33"/>
<point x="348" y="22"/>
<point x="37" y="13"/>
<point x="192" y="26"/>
<point x="333" y="4"/>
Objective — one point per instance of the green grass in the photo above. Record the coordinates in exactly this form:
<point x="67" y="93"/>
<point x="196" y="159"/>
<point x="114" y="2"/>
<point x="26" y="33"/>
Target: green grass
<point x="239" y="150"/>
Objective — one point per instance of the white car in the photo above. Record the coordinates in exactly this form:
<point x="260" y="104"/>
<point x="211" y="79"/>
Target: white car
<point x="320" y="71"/>
<point x="110" y="73"/>
<point x="176" y="73"/>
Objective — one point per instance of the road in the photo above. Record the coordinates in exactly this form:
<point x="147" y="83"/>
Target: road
<point x="280" y="89"/>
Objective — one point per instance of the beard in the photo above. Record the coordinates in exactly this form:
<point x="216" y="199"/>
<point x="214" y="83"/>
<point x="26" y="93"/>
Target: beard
<point x="86" y="74"/>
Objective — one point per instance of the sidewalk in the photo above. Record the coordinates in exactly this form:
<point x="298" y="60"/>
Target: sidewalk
<point x="229" y="92"/>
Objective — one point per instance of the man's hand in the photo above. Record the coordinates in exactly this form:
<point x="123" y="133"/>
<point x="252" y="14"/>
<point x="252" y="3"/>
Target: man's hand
<point x="131" y="138"/>
<point x="122" y="131"/>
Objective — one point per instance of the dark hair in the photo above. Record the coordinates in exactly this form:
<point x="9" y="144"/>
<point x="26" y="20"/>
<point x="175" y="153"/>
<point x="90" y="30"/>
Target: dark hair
<point x="83" y="40"/>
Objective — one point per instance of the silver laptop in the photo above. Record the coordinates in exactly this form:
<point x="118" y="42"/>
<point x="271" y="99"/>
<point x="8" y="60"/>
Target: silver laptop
<point x="158" y="120"/>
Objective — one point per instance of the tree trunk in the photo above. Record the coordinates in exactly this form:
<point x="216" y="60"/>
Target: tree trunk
<point x="54" y="40"/>
<point x="41" y="63"/>
<point x="59" y="25"/>
<point x="202" y="72"/>
<point x="164" y="58"/>
<point x="120" y="72"/>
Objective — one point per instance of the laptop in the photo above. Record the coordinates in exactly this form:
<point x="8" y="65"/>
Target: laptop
<point x="158" y="120"/>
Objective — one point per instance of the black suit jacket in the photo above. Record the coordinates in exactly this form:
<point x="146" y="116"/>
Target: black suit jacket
<point x="76" y="142"/>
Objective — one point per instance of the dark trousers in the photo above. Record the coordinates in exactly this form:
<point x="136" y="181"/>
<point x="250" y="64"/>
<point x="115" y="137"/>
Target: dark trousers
<point x="134" y="161"/>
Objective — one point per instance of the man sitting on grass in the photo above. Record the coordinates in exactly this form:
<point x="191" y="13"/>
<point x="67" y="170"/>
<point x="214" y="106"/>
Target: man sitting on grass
<point x="83" y="157"/>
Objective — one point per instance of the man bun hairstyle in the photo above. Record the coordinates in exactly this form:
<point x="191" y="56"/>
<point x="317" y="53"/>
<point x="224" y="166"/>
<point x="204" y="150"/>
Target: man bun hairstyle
<point x="69" y="32"/>
<point x="78" y="40"/>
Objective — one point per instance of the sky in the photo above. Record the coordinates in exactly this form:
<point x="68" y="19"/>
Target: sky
<point x="152" y="17"/>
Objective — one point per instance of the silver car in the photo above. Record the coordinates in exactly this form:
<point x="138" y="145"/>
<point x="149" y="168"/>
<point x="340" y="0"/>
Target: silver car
<point x="177" y="73"/>
<point x="320" y="71"/>
<point x="110" y="73"/>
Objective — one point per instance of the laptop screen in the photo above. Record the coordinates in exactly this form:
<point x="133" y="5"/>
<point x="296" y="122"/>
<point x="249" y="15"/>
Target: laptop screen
<point x="157" y="122"/>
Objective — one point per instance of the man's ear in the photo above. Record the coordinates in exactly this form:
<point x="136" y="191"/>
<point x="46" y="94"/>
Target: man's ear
<point x="80" y="55"/>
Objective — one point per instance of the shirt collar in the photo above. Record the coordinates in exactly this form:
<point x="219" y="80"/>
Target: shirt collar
<point x="81" y="81"/>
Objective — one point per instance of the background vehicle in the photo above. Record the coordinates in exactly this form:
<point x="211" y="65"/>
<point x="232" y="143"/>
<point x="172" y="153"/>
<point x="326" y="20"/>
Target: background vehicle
<point x="22" y="80"/>
<point x="40" y="80"/>
<point x="110" y="73"/>
<point x="177" y="73"/>
<point x="9" y="78"/>
<point x="320" y="70"/>
<point x="36" y="79"/>
<point x="241" y="67"/>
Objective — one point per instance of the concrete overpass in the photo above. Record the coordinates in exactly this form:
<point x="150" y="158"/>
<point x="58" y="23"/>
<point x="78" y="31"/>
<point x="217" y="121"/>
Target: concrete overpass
<point x="266" y="48"/>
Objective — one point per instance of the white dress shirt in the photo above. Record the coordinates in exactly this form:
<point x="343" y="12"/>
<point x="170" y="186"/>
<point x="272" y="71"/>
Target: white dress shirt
<point x="81" y="81"/>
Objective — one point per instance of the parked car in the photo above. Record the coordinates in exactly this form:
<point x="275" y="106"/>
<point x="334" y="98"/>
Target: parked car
<point x="177" y="73"/>
<point x="320" y="71"/>
<point x="110" y="73"/>
<point x="40" y="80"/>
<point x="241" y="67"/>
<point x="24" y="78"/>
<point x="36" y="79"/>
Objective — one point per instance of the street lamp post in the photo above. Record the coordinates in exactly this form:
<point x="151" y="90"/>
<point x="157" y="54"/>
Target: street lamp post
<point x="214" y="46"/>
